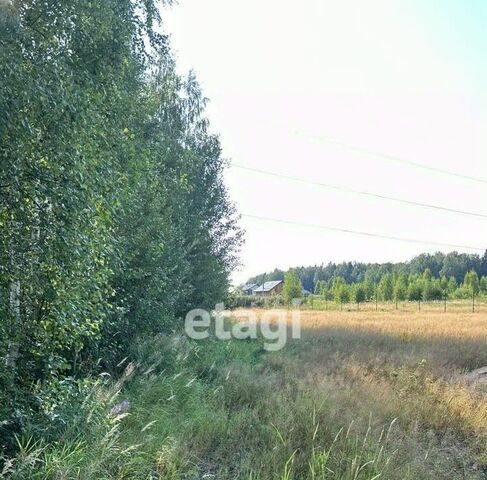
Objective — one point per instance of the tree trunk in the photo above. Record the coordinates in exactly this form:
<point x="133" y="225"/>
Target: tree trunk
<point x="14" y="303"/>
<point x="13" y="347"/>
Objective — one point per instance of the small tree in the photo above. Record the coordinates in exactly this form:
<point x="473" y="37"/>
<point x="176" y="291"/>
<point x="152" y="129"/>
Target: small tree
<point x="444" y="290"/>
<point x="359" y="294"/>
<point x="386" y="287"/>
<point x="320" y="287"/>
<point x="292" y="287"/>
<point x="483" y="285"/>
<point x="340" y="290"/>
<point x="415" y="292"/>
<point x="327" y="293"/>
<point x="452" y="285"/>
<point x="432" y="290"/>
<point x="472" y="283"/>
<point x="427" y="275"/>
<point x="342" y="294"/>
<point x="369" y="288"/>
<point x="400" y="289"/>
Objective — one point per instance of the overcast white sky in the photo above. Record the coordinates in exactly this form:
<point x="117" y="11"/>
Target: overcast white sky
<point x="405" y="78"/>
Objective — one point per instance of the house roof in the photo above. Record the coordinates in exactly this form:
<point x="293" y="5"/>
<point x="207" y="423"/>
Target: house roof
<point x="249" y="286"/>
<point x="268" y="286"/>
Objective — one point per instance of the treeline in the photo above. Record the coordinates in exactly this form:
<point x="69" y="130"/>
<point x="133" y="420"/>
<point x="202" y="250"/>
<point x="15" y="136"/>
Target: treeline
<point x="114" y="219"/>
<point x="451" y="267"/>
<point x="401" y="287"/>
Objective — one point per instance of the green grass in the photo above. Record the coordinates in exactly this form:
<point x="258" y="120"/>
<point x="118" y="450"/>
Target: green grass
<point x="317" y="302"/>
<point x="227" y="410"/>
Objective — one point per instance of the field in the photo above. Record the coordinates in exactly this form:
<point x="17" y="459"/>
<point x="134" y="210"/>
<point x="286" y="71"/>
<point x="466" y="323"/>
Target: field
<point x="361" y="396"/>
<point x="374" y="368"/>
<point x="315" y="302"/>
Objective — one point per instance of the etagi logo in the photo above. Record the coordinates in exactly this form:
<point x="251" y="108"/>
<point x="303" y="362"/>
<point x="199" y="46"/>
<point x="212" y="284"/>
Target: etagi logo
<point x="275" y="325"/>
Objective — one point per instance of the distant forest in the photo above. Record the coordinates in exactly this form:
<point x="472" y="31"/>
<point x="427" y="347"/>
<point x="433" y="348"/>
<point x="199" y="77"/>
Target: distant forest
<point x="440" y="265"/>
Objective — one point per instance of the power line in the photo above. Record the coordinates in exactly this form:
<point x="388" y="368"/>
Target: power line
<point x="362" y="233"/>
<point x="359" y="192"/>
<point x="395" y="158"/>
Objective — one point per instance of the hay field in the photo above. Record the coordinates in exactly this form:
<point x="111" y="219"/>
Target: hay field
<point x="403" y="367"/>
<point x="360" y="396"/>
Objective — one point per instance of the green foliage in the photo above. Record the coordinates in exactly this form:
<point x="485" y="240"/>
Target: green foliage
<point x="415" y="291"/>
<point x="114" y="219"/>
<point x="432" y="290"/>
<point x="254" y="301"/>
<point x="386" y="287"/>
<point x="292" y="287"/>
<point x="320" y="287"/>
<point x="359" y="293"/>
<point x="439" y="265"/>
<point x="189" y="416"/>
<point x="472" y="282"/>
<point x="401" y="288"/>
<point x="483" y="285"/>
<point x="229" y="410"/>
<point x="452" y="285"/>
<point x="427" y="275"/>
<point x="341" y="291"/>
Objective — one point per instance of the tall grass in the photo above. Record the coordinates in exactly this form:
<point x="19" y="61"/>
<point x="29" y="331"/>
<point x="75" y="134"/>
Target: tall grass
<point x="343" y="403"/>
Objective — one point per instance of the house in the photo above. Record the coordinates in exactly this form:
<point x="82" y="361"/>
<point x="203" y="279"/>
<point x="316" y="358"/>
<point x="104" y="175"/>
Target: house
<point x="248" y="288"/>
<point x="269" y="288"/>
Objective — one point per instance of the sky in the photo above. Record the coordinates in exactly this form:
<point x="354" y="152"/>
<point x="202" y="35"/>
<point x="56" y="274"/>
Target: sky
<point x="332" y="91"/>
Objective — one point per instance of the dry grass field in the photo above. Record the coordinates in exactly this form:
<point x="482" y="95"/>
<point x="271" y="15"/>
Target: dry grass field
<point x="360" y="396"/>
<point x="409" y="368"/>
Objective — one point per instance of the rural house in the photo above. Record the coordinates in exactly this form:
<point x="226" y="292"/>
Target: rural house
<point x="248" y="288"/>
<point x="269" y="288"/>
